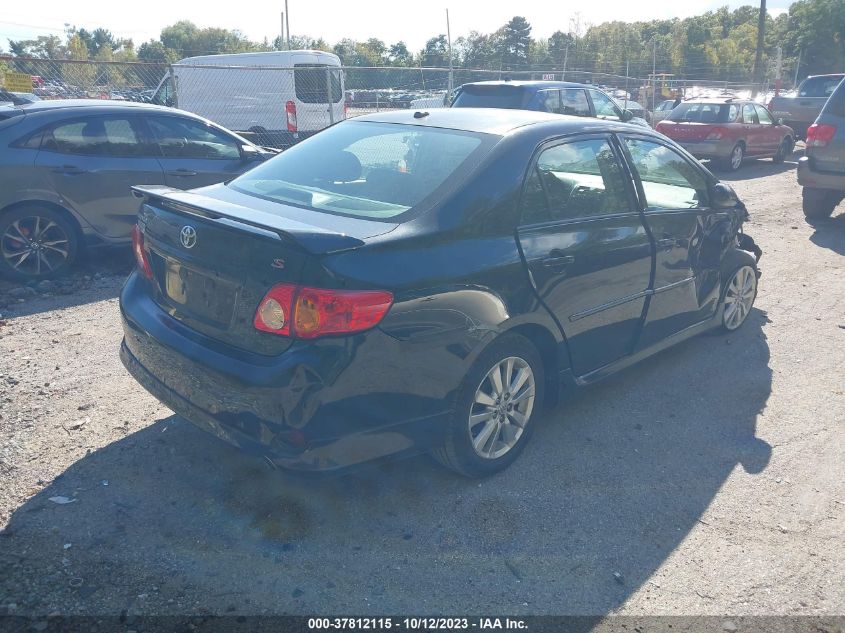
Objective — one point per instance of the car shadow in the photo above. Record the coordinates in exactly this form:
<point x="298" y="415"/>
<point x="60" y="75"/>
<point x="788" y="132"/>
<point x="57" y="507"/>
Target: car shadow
<point x="170" y="520"/>
<point x="830" y="232"/>
<point x="98" y="276"/>
<point x="756" y="168"/>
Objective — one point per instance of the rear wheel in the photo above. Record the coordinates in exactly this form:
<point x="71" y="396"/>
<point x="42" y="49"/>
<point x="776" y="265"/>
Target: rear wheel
<point x="735" y="158"/>
<point x="36" y="243"/>
<point x="819" y="203"/>
<point x="787" y="146"/>
<point x="495" y="409"/>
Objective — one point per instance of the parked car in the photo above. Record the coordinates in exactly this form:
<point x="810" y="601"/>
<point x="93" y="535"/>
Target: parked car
<point x="662" y="110"/>
<point x="727" y="130"/>
<point x="404" y="282"/>
<point x="821" y="171"/>
<point x="66" y="168"/>
<point x="281" y="95"/>
<point x="545" y="96"/>
<point x="800" y="110"/>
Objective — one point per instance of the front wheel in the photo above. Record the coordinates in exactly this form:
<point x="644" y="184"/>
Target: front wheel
<point x="787" y="146"/>
<point x="495" y="409"/>
<point x="740" y="293"/>
<point x="36" y="243"/>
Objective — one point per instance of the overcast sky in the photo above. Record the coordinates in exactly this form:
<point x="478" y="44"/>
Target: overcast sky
<point x="388" y="20"/>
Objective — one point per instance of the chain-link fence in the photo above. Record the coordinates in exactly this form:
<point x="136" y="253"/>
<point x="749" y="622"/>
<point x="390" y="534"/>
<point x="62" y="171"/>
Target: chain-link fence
<point x="277" y="106"/>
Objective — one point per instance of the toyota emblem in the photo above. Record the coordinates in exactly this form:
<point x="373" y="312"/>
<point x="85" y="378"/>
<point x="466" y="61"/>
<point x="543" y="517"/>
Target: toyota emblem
<point x="188" y="236"/>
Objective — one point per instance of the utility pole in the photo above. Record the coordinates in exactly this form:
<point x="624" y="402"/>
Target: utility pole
<point x="282" y="39"/>
<point x="758" y="57"/>
<point x="797" y="66"/>
<point x="778" y="71"/>
<point x="449" y="41"/>
<point x="287" y="22"/>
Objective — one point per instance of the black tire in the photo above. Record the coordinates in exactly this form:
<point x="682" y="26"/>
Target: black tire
<point x="787" y="146"/>
<point x="734" y="262"/>
<point x="59" y="243"/>
<point x="819" y="204"/>
<point x="729" y="163"/>
<point x="457" y="451"/>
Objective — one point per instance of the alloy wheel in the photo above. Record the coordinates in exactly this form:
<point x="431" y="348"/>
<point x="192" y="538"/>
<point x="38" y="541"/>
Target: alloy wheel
<point x="739" y="298"/>
<point x="502" y="407"/>
<point x="34" y="245"/>
<point x="736" y="157"/>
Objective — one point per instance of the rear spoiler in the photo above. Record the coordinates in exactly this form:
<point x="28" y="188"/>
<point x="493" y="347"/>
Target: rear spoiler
<point x="314" y="239"/>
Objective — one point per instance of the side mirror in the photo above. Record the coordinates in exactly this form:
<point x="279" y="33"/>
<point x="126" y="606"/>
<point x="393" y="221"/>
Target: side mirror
<point x="723" y="196"/>
<point x="250" y="153"/>
<point x="780" y="121"/>
<point x="627" y="115"/>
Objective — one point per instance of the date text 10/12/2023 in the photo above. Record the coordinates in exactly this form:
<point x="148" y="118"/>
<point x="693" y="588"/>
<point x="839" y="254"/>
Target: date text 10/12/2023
<point x="415" y="624"/>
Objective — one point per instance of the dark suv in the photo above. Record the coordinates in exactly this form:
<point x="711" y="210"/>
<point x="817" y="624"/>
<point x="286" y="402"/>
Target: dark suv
<point x="822" y="170"/>
<point x="559" y="97"/>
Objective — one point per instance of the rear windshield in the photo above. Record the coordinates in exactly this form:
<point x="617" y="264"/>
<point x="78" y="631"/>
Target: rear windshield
<point x="367" y="170"/>
<point x="705" y="112"/>
<point x="509" y="97"/>
<point x="818" y="86"/>
<point x="311" y="83"/>
<point x="836" y="104"/>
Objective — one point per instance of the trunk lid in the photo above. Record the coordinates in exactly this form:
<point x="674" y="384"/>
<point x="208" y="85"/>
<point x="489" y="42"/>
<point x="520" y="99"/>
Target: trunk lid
<point x="687" y="130"/>
<point x="214" y="259"/>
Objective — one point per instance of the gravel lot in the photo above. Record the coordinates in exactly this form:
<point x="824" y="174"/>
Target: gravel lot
<point x="708" y="480"/>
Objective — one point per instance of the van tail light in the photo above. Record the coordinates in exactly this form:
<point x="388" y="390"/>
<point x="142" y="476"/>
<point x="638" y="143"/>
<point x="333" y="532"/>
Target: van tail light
<point x="716" y="134"/>
<point x="290" y="110"/>
<point x="309" y="313"/>
<point x="820" y="134"/>
<point x="140" y="254"/>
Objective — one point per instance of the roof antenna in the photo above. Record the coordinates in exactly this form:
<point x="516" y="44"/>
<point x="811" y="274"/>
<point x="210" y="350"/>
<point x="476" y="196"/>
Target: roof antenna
<point x="420" y="115"/>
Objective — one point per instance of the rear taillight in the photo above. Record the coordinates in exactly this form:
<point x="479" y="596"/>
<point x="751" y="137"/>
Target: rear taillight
<point x="716" y="134"/>
<point x="140" y="253"/>
<point x="820" y="134"/>
<point x="290" y="110"/>
<point x="314" y="312"/>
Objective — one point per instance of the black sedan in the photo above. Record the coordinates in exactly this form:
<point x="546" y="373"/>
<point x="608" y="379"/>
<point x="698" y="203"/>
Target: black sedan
<point x="66" y="167"/>
<point x="416" y="281"/>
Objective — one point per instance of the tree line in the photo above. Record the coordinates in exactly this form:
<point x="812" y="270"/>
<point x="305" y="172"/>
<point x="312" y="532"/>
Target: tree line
<point x="717" y="45"/>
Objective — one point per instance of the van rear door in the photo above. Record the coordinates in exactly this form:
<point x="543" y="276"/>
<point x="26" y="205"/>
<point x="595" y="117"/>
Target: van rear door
<point x="318" y="89"/>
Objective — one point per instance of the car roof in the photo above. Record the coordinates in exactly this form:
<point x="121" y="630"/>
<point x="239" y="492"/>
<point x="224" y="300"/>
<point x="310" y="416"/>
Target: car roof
<point x="485" y="120"/>
<point x="93" y="105"/>
<point x="528" y="83"/>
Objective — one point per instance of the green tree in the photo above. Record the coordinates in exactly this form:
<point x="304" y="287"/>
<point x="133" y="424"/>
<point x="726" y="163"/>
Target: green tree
<point x="516" y="43"/>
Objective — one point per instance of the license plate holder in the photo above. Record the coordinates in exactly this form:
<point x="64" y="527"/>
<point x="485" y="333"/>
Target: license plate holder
<point x="204" y="296"/>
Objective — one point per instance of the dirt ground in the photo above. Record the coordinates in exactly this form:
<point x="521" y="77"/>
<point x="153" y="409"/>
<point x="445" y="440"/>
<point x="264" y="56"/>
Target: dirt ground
<point x="708" y="480"/>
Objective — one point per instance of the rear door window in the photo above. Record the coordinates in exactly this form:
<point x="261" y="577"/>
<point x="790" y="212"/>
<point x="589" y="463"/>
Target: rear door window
<point x="578" y="180"/>
<point x="180" y="137"/>
<point x="749" y="115"/>
<point x="100" y="136"/>
<point x="836" y="104"/>
<point x="312" y="83"/>
<point x="574" y="102"/>
<point x="549" y="101"/>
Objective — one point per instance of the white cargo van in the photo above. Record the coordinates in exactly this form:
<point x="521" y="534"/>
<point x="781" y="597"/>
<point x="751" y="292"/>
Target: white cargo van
<point x="283" y="95"/>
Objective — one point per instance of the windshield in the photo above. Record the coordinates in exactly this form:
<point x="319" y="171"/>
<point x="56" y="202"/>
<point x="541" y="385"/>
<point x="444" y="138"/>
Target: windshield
<point x="704" y="112"/>
<point x="474" y="96"/>
<point x="366" y="170"/>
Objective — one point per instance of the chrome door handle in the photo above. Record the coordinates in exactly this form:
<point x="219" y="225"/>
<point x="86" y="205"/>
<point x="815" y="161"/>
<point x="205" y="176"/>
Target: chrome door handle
<point x="666" y="242"/>
<point x="181" y="173"/>
<point x="556" y="259"/>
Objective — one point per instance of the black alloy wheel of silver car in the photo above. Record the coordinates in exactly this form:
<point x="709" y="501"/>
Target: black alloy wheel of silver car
<point x="36" y="243"/>
<point x="495" y="409"/>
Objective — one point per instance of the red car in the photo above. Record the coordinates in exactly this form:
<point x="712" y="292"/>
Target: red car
<point x="727" y="130"/>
